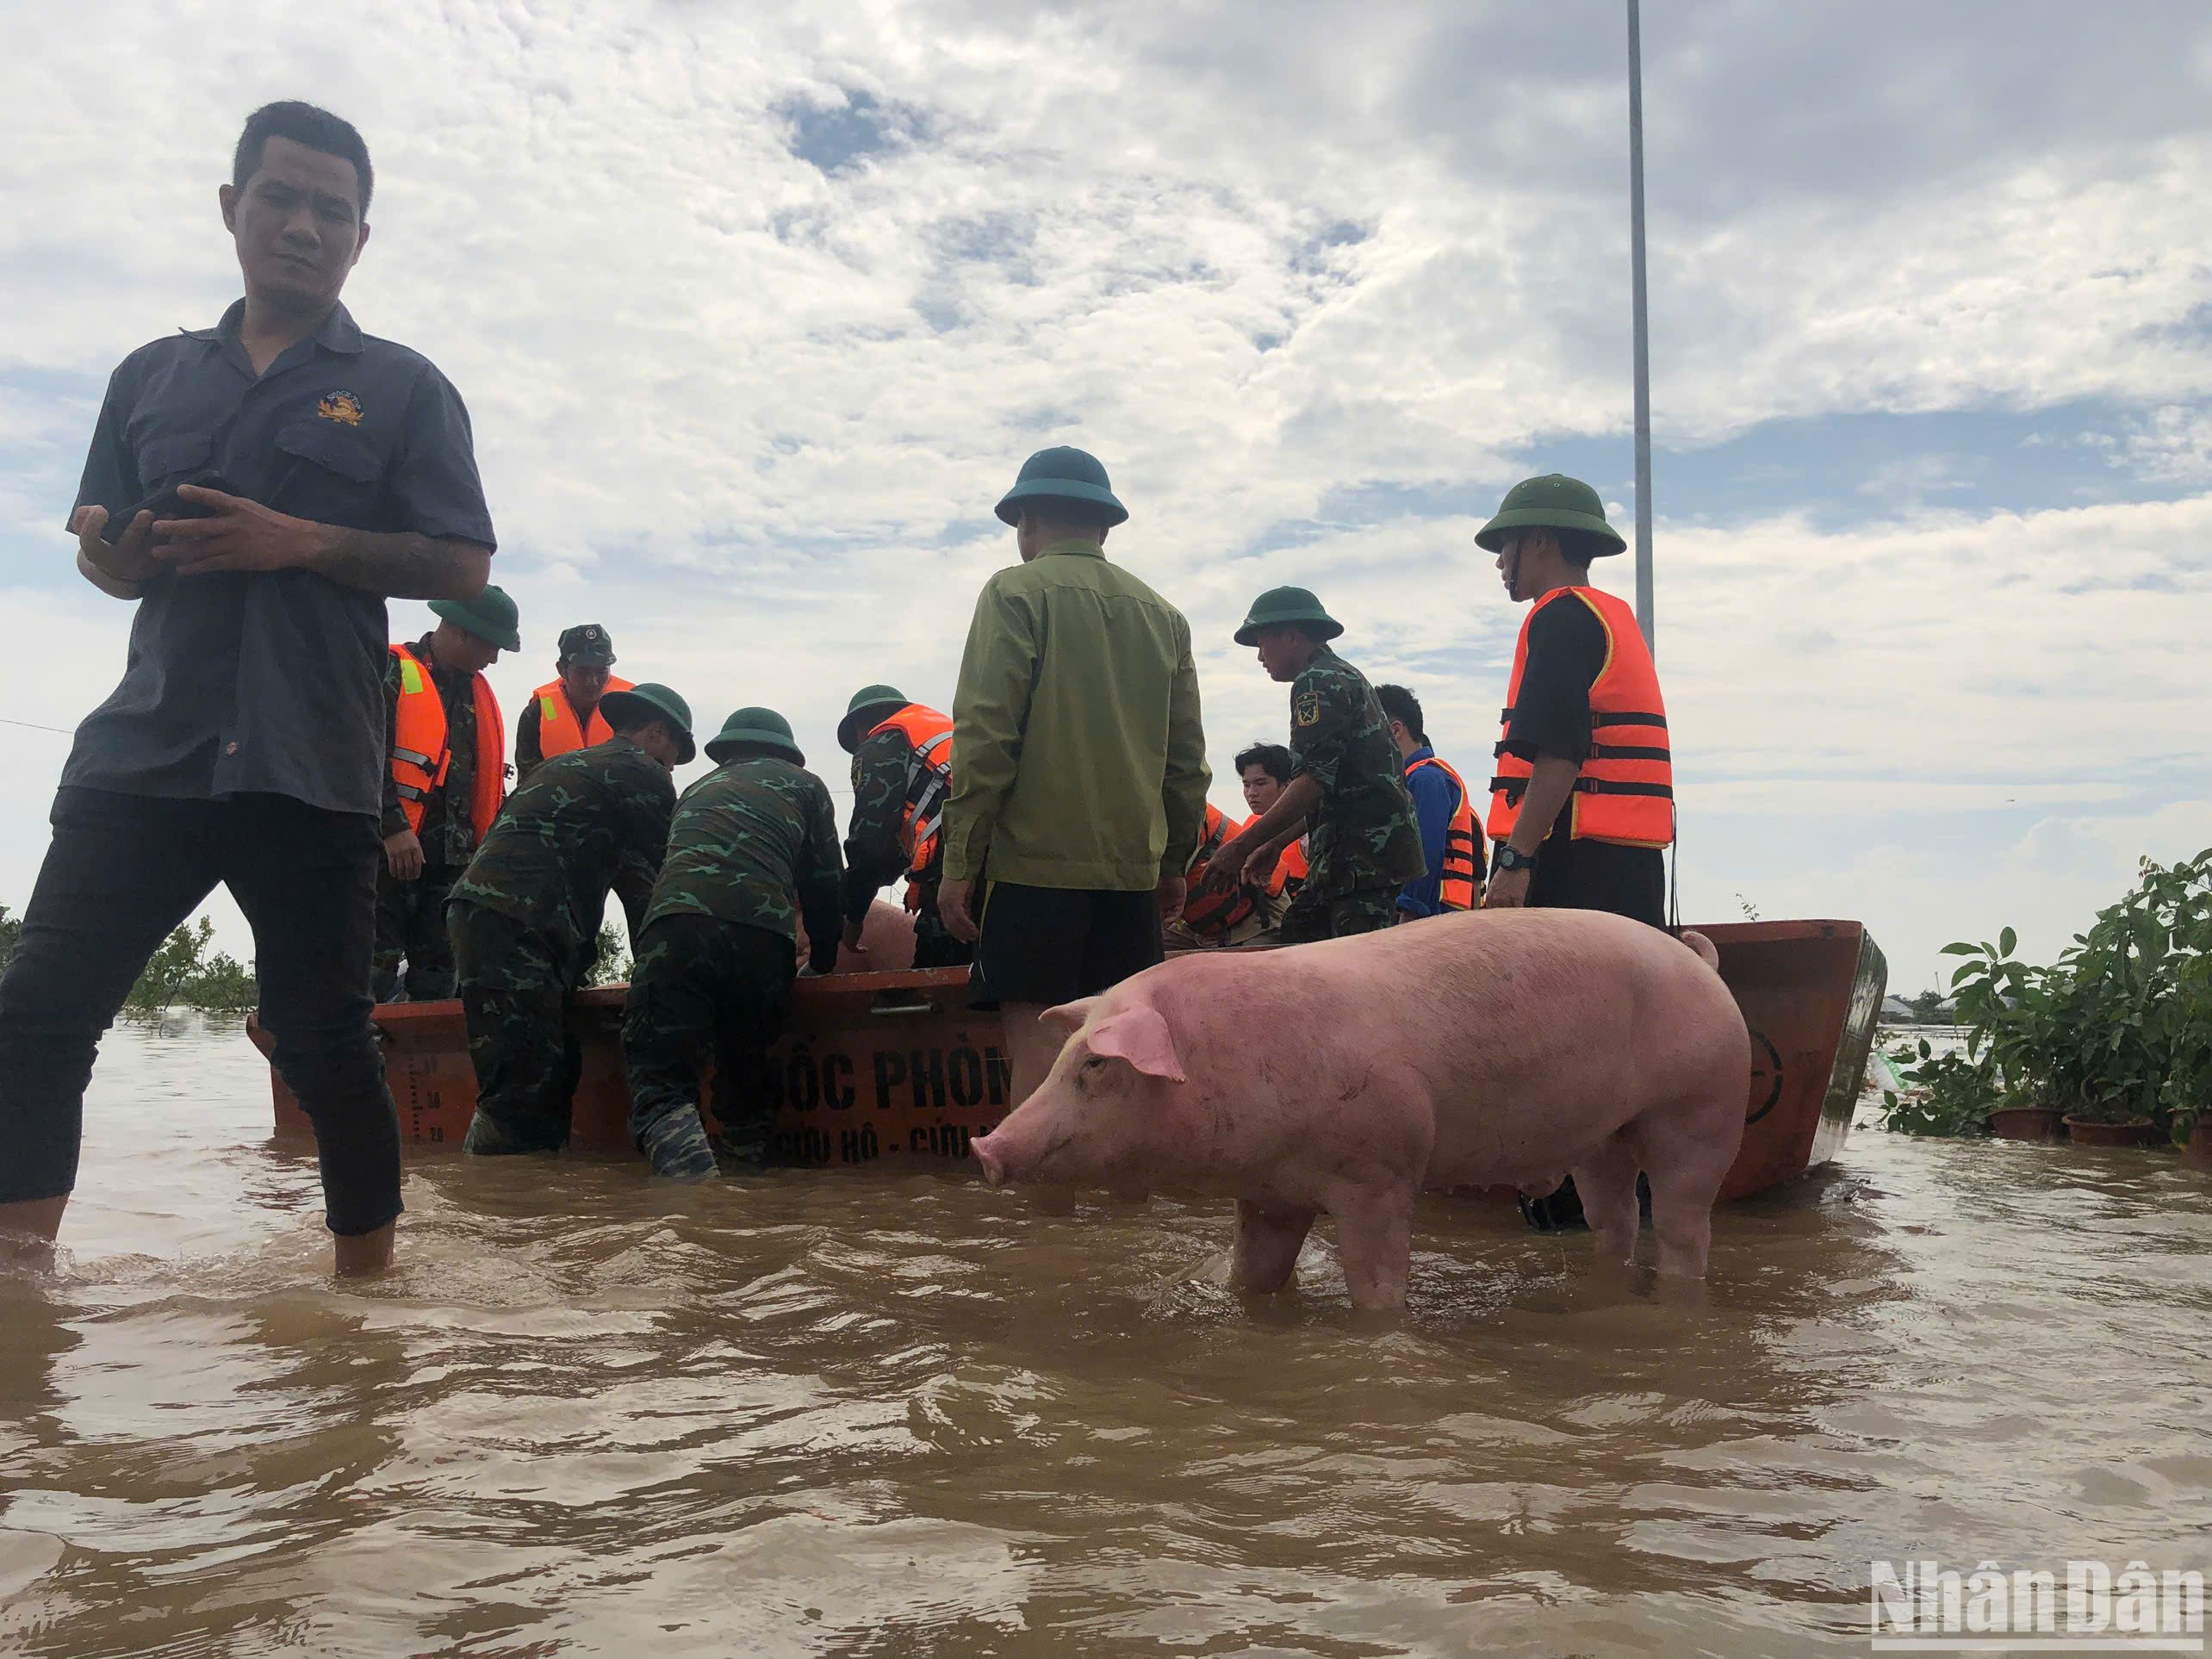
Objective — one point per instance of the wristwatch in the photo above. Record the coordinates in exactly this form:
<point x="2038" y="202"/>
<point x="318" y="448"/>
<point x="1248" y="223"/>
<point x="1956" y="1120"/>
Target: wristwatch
<point x="1509" y="858"/>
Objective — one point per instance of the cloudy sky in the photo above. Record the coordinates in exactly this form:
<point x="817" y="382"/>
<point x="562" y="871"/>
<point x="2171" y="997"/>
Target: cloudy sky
<point x="757" y="310"/>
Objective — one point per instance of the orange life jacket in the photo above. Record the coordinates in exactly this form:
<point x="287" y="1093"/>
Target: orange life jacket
<point x="558" y="730"/>
<point x="1625" y="792"/>
<point x="1208" y="914"/>
<point x="1460" y="887"/>
<point x="1210" y="841"/>
<point x="928" y="781"/>
<point x="420" y="756"/>
<point x="1290" y="872"/>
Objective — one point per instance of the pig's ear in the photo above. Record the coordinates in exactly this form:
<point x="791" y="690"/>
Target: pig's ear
<point x="1067" y="1019"/>
<point x="1138" y="1034"/>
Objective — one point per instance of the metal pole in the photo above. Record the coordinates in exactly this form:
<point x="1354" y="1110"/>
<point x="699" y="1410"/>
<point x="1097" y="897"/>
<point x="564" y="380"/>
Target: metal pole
<point x="1643" y="608"/>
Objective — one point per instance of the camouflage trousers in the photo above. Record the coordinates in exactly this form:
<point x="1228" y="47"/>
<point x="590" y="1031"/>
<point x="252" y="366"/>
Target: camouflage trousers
<point x="515" y="985"/>
<point x="411" y="927"/>
<point x="1312" y="917"/>
<point x="703" y="987"/>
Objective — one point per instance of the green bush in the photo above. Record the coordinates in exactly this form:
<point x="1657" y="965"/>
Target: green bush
<point x="1946" y="1094"/>
<point x="2119" y="1026"/>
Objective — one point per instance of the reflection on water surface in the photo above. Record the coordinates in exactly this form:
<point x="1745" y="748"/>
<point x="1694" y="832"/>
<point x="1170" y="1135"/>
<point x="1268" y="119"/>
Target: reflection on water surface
<point x="886" y="1414"/>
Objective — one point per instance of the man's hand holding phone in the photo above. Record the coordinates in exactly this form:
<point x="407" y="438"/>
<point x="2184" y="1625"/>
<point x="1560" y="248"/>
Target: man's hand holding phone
<point x="127" y="555"/>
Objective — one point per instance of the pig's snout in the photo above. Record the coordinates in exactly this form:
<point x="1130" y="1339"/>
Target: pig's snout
<point x="993" y="1161"/>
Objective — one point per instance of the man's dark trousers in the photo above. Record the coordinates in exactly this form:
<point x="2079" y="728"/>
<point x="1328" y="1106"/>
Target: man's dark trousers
<point x="123" y="872"/>
<point x="411" y="927"/>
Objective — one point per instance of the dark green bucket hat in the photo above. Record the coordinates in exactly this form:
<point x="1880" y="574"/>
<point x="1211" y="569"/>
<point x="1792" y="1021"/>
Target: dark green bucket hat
<point x="1554" y="501"/>
<point x="1281" y="604"/>
<point x="490" y="615"/>
<point x="764" y="727"/>
<point x="655" y="703"/>
<point x="866" y="700"/>
<point x="1064" y="474"/>
<point x="588" y="642"/>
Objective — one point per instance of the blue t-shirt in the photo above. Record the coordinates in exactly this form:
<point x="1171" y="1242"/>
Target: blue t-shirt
<point x="1434" y="802"/>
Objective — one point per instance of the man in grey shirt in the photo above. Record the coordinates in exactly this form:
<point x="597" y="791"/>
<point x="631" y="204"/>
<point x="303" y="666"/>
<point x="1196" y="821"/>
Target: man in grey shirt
<point x="257" y="490"/>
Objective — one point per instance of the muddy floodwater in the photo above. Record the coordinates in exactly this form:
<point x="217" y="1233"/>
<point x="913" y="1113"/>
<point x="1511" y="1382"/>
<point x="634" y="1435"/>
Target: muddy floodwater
<point x="885" y="1412"/>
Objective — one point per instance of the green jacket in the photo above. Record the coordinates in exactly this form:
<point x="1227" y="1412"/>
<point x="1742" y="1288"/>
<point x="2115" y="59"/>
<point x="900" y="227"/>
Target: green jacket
<point x="1081" y="759"/>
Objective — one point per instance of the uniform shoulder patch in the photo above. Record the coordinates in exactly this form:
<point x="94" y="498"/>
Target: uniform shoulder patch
<point x="1306" y="708"/>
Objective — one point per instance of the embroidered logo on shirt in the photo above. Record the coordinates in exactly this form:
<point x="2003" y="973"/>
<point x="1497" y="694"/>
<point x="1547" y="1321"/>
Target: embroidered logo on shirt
<point x="341" y="406"/>
<point x="1309" y="710"/>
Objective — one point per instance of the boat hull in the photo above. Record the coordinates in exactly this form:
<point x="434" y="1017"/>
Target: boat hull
<point x="894" y="1065"/>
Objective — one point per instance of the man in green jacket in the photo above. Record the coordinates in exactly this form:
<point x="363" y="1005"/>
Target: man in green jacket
<point x="1081" y="787"/>
<point x="717" y="957"/>
<point x="1347" y="782"/>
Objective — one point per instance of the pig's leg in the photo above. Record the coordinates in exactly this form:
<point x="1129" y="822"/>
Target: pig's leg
<point x="1687" y="1152"/>
<point x="1375" y="1239"/>
<point x="1267" y="1246"/>
<point x="1608" y="1186"/>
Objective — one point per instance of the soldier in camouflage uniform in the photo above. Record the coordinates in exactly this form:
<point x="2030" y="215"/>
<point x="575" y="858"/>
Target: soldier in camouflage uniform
<point x="423" y="860"/>
<point x="717" y="960"/>
<point x="1347" y="782"/>
<point x="899" y="789"/>
<point x="524" y="915"/>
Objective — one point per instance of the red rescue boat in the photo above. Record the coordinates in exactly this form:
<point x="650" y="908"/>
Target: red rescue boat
<point x="893" y="1064"/>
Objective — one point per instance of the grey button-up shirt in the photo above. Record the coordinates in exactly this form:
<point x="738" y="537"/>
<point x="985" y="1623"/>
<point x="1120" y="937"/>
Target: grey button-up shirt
<point x="273" y="681"/>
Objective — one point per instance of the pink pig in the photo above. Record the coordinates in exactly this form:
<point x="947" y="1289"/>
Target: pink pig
<point x="1496" y="1046"/>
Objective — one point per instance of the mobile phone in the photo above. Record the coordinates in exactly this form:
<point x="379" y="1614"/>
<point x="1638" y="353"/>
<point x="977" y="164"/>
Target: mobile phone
<point x="165" y="503"/>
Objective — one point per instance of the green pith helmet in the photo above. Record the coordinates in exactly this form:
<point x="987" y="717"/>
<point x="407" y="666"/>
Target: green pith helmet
<point x="653" y="703"/>
<point x="588" y="642"/>
<point x="764" y="728"/>
<point x="1554" y="501"/>
<point x="868" y="699"/>
<point x="1069" y="476"/>
<point x="490" y="615"/>
<point x="1280" y="605"/>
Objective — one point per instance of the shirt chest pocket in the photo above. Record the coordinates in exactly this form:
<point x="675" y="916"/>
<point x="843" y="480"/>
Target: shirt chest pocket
<point x="164" y="457"/>
<point x="327" y="473"/>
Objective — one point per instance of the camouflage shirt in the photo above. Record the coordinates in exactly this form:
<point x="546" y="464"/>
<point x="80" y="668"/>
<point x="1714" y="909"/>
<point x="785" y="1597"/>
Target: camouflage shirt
<point x="745" y="838"/>
<point x="447" y="837"/>
<point x="875" y="841"/>
<point x="1363" y="833"/>
<point x="582" y="823"/>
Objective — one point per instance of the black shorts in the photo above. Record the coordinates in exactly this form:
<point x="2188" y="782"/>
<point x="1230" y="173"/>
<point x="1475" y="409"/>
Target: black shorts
<point x="1052" y="945"/>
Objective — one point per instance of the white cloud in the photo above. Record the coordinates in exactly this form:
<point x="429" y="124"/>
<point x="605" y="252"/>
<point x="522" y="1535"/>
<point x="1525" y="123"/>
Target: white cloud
<point x="2173" y="445"/>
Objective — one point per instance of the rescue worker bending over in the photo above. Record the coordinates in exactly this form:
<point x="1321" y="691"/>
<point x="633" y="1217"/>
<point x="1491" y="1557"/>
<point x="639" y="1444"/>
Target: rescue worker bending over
<point x="718" y="954"/>
<point x="1445" y="811"/>
<point x="1349" y="782"/>
<point x="524" y="915"/>
<point x="902" y="776"/>
<point x="443" y="786"/>
<point x="564" y="713"/>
